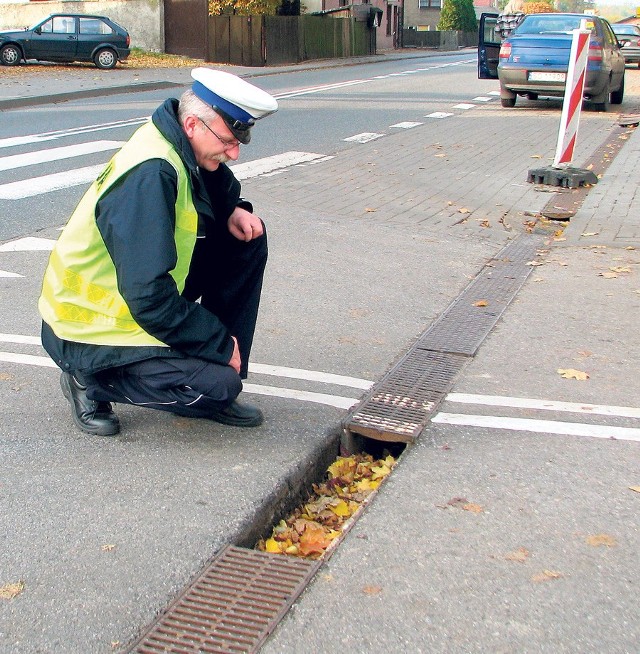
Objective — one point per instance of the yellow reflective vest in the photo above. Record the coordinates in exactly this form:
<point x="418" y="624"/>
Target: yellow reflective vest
<point x="80" y="299"/>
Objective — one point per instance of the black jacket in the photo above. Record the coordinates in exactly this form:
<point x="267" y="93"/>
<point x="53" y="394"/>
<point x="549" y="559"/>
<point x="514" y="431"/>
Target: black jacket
<point x="136" y="219"/>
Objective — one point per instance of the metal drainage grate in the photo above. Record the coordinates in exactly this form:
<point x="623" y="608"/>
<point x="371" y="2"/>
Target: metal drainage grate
<point x="232" y="607"/>
<point x="463" y="326"/>
<point x="397" y="408"/>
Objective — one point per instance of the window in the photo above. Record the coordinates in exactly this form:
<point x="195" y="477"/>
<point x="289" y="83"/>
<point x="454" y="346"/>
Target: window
<point x="94" y="26"/>
<point x="59" y="25"/>
<point x="426" y="4"/>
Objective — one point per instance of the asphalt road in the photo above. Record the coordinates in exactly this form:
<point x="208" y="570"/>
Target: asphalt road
<point x="367" y="249"/>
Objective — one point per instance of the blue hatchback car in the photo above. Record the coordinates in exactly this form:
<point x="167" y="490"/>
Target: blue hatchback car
<point x="533" y="60"/>
<point x="66" y="38"/>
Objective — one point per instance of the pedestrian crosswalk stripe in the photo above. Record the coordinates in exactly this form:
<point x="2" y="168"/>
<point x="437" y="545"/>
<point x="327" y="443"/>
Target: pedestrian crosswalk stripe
<point x="46" y="183"/>
<point x="14" y="161"/>
<point x="28" y="244"/>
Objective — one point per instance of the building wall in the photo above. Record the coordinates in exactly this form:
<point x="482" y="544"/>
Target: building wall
<point x="143" y="19"/>
<point x="421" y="18"/>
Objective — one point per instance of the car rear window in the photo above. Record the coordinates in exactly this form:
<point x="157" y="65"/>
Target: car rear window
<point x="552" y="24"/>
<point x="94" y="26"/>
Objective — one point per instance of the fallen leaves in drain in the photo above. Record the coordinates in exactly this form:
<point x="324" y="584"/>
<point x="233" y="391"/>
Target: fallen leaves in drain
<point x="311" y="528"/>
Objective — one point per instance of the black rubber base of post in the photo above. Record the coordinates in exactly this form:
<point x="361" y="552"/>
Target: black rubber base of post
<point x="567" y="177"/>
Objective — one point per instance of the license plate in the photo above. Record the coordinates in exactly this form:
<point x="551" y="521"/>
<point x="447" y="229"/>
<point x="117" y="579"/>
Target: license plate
<point x="547" y="77"/>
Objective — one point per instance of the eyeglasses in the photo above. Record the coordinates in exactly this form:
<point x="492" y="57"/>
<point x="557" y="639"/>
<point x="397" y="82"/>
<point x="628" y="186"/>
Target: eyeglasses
<point x="228" y="145"/>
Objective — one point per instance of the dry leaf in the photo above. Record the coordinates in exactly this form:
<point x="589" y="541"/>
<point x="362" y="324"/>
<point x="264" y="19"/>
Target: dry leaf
<point x="571" y="373"/>
<point x="9" y="591"/>
<point x="534" y="263"/>
<point x="369" y="210"/>
<point x="546" y="575"/>
<point x="601" y="539"/>
<point x="474" y="508"/>
<point x="481" y="303"/>
<point x="589" y="234"/>
<point x="608" y="275"/>
<point x="485" y="223"/>
<point x="520" y="555"/>
<point x="108" y="548"/>
<point x="536" y="156"/>
<point x="5" y="376"/>
<point x="372" y="590"/>
<point x="620" y="269"/>
<point x="463" y="210"/>
<point x="635" y="488"/>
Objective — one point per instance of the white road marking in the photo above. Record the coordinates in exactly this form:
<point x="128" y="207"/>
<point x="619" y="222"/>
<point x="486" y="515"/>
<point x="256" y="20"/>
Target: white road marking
<point x="305" y="396"/>
<point x="365" y="137"/>
<point x="548" y="405"/>
<point x="539" y="426"/>
<point x="464" y="105"/>
<point x="47" y="183"/>
<point x="55" y="154"/>
<point x="337" y="401"/>
<point x="310" y="375"/>
<point x="494" y="92"/>
<point x="28" y="244"/>
<point x="481" y="98"/>
<point x="406" y="125"/>
<point x="439" y="114"/>
<point x="4" y="273"/>
<point x="28" y="139"/>
<point x="269" y="164"/>
<point x="19" y="338"/>
<point x="28" y="359"/>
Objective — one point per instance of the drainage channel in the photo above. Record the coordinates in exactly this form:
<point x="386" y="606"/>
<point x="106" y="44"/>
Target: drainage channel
<point x="397" y="408"/>
<point x="242" y="594"/>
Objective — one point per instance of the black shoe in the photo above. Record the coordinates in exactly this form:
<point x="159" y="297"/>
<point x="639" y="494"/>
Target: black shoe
<point x="239" y="415"/>
<point x="90" y="416"/>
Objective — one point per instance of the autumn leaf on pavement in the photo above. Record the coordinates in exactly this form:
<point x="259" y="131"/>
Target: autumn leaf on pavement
<point x="571" y="373"/>
<point x="601" y="539"/>
<point x="372" y="590"/>
<point x="474" y="508"/>
<point x="9" y="591"/>
<point x="481" y="303"/>
<point x="635" y="488"/>
<point x="546" y="575"/>
<point x="520" y="555"/>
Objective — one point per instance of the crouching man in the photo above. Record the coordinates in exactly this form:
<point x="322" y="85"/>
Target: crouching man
<point x="151" y="293"/>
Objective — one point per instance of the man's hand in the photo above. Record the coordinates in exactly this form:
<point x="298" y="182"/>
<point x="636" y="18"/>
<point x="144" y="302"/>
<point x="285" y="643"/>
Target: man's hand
<point x="244" y="226"/>
<point x="235" y="360"/>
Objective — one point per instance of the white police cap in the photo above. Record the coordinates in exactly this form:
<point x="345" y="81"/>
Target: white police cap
<point x="239" y="103"/>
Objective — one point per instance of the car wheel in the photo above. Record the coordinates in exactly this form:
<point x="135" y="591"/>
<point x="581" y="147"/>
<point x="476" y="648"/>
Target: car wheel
<point x="105" y="58"/>
<point x="508" y="102"/>
<point x="616" y="96"/>
<point x="10" y="55"/>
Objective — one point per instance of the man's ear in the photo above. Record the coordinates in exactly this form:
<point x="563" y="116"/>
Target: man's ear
<point x="189" y="125"/>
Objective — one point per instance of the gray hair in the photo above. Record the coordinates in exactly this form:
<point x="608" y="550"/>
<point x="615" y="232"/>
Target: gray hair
<point x="191" y="105"/>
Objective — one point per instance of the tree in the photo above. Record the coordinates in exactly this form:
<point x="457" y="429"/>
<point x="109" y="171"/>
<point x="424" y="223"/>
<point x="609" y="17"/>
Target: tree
<point x="243" y="7"/>
<point x="458" y="15"/>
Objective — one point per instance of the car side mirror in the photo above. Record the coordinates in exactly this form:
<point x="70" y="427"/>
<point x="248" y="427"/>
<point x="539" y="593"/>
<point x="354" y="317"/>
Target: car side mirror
<point x="38" y="30"/>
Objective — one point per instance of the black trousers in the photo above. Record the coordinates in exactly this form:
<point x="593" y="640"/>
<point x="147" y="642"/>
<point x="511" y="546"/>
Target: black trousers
<point x="226" y="276"/>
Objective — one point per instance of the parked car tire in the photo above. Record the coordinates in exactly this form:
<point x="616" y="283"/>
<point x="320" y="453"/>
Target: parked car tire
<point x="10" y="55"/>
<point x="508" y="102"/>
<point x="616" y="96"/>
<point x="105" y="58"/>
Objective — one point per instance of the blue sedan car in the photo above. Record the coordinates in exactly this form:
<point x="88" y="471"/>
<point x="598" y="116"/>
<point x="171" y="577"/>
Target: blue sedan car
<point x="533" y="60"/>
<point x="66" y="38"/>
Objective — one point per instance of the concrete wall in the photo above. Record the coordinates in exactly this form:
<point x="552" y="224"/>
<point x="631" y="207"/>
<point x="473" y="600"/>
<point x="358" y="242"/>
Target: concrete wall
<point x="143" y="19"/>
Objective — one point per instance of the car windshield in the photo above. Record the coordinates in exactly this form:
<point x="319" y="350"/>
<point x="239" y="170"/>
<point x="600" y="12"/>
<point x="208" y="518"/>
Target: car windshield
<point x="552" y="24"/>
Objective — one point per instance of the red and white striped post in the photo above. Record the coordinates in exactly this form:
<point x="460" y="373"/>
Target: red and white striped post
<point x="574" y="90"/>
